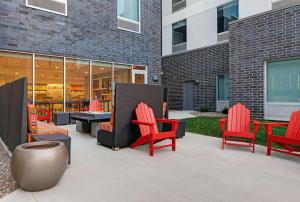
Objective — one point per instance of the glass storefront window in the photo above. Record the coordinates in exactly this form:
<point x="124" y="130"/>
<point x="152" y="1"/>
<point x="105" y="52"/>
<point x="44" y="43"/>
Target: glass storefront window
<point x="14" y="66"/>
<point x="283" y="81"/>
<point x="102" y="83"/>
<point x="49" y="83"/>
<point x="84" y="79"/>
<point x="77" y="85"/>
<point x="122" y="73"/>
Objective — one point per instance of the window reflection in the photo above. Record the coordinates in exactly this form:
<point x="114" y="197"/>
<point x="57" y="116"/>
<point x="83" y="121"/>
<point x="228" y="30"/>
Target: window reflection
<point x="49" y="83"/>
<point x="102" y="83"/>
<point x="14" y="66"/>
<point x="77" y="85"/>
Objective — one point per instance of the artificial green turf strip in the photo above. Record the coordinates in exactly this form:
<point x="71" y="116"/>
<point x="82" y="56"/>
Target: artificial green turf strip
<point x="210" y="126"/>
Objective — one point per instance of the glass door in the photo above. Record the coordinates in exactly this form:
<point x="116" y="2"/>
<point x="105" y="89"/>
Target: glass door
<point x="139" y="75"/>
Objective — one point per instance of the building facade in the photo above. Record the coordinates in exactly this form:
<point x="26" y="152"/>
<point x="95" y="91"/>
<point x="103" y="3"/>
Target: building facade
<point x="73" y="51"/>
<point x="217" y="53"/>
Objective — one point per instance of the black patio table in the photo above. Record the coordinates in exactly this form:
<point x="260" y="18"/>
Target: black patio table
<point x="87" y="122"/>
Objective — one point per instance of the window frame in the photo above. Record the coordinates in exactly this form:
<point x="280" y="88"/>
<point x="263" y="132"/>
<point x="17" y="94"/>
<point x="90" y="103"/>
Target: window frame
<point x="266" y="67"/>
<point x="174" y="11"/>
<point x="131" y="21"/>
<point x="223" y="5"/>
<point x="51" y="11"/>
<point x="173" y="36"/>
<point x="217" y="86"/>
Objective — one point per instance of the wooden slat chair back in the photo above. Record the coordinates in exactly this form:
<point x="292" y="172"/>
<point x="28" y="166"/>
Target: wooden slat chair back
<point x="293" y="130"/>
<point x="238" y="127"/>
<point x="238" y="119"/>
<point x="290" y="142"/>
<point x="95" y="106"/>
<point x="149" y="130"/>
<point x="145" y="114"/>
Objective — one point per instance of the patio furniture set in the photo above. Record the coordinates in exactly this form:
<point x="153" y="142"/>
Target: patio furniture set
<point x="138" y="117"/>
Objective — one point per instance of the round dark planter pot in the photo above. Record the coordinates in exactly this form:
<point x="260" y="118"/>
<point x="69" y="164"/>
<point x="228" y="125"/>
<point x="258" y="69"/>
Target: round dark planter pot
<point x="39" y="165"/>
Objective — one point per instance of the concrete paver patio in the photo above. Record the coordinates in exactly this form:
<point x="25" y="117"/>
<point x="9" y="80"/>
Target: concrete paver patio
<point x="198" y="171"/>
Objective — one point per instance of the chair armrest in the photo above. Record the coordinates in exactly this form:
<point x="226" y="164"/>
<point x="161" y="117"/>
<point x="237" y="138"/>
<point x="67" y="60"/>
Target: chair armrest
<point x="269" y="127"/>
<point x="222" y="123"/>
<point x="256" y="125"/>
<point x="143" y="123"/>
<point x="167" y="121"/>
<point x="173" y="122"/>
<point x="46" y="115"/>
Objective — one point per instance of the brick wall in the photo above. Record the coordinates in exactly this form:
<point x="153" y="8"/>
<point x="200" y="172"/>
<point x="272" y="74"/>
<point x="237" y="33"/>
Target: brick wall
<point x="89" y="31"/>
<point x="253" y="41"/>
<point x="202" y="66"/>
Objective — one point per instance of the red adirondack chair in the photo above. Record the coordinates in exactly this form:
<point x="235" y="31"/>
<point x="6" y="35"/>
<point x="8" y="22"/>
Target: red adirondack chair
<point x="238" y="127"/>
<point x="149" y="129"/>
<point x="95" y="106"/>
<point x="290" y="143"/>
<point x="43" y="115"/>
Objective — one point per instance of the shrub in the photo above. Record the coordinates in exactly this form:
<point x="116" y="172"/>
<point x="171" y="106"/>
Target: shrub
<point x="225" y="110"/>
<point x="203" y="109"/>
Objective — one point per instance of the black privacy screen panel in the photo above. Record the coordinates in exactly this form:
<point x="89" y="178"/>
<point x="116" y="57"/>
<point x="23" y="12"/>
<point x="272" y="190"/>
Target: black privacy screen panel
<point x="127" y="97"/>
<point x="13" y="113"/>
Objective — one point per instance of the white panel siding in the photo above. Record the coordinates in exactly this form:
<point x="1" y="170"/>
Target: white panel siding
<point x="204" y="33"/>
<point x="166" y="7"/>
<point x="167" y="40"/>
<point x="248" y="8"/>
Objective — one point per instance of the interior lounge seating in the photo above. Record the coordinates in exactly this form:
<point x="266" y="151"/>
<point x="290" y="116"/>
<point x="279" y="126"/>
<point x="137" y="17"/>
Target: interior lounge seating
<point x="290" y="142"/>
<point x="238" y="128"/>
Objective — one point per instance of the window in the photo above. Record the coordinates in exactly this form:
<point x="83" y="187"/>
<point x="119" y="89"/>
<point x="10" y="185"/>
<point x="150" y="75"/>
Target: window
<point x="129" y="15"/>
<point x="227" y="13"/>
<point x="77" y="84"/>
<point x="59" y="83"/>
<point x="178" y="5"/>
<point x="179" y="36"/>
<point x="49" y="83"/>
<point x="54" y="6"/>
<point x="102" y="83"/>
<point x="283" y="81"/>
<point x="223" y="87"/>
<point x="14" y="66"/>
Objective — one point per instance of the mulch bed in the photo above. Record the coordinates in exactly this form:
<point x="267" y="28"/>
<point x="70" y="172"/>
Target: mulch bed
<point x="7" y="183"/>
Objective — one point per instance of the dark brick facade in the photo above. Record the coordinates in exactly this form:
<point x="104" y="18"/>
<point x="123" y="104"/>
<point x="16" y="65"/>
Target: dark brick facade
<point x="254" y="41"/>
<point x="202" y="66"/>
<point x="89" y="31"/>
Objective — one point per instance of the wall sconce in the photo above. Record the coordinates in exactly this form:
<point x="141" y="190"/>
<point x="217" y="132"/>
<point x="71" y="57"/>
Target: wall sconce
<point x="155" y="78"/>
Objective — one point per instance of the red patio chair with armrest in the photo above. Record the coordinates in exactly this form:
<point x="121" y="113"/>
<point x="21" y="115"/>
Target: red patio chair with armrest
<point x="238" y="127"/>
<point x="95" y="106"/>
<point x="149" y="130"/>
<point x="290" y="142"/>
<point x="43" y="115"/>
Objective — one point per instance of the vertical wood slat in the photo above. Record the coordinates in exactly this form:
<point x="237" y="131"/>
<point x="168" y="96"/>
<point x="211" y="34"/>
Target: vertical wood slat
<point x="145" y="114"/>
<point x="238" y="118"/>
<point x="293" y="130"/>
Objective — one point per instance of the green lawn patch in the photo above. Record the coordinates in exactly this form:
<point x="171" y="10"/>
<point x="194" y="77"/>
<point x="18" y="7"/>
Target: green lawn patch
<point x="209" y="126"/>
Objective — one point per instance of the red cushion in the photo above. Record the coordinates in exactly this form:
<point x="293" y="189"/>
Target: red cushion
<point x="106" y="126"/>
<point x="32" y="118"/>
